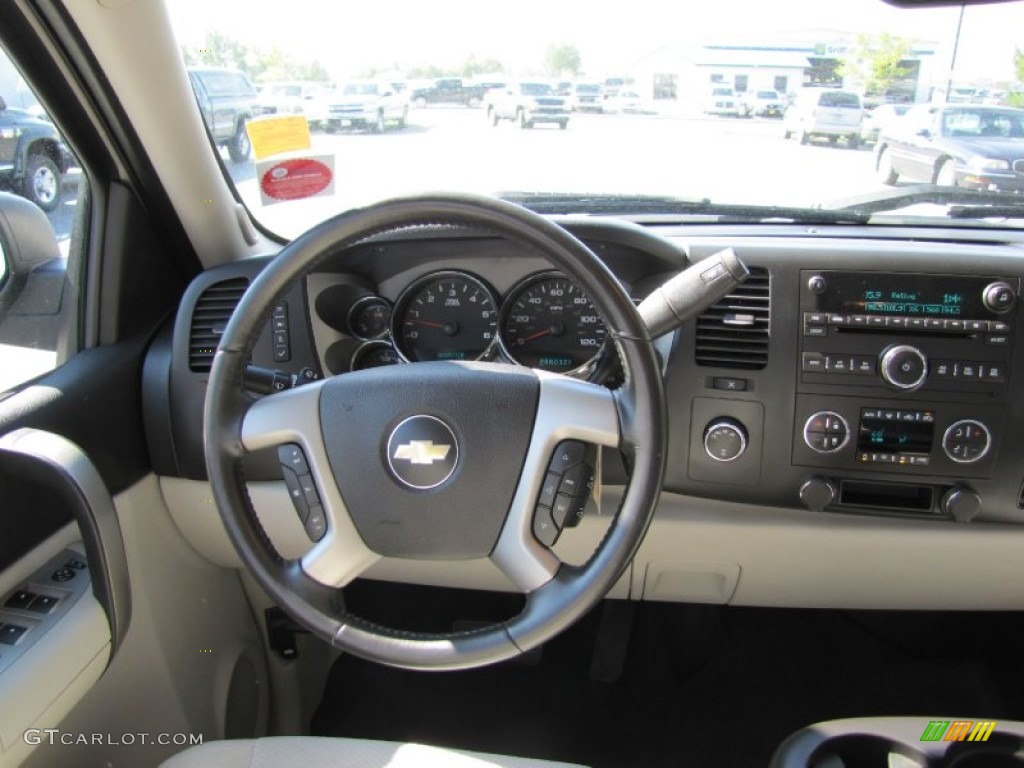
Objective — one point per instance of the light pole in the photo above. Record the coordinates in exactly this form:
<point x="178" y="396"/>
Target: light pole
<point x="956" y="45"/>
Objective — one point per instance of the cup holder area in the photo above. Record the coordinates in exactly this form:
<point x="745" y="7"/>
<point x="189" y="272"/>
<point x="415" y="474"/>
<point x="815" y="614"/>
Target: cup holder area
<point x="896" y="742"/>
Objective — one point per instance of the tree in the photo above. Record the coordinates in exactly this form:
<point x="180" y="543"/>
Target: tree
<point x="562" y="60"/>
<point x="220" y="50"/>
<point x="876" y="62"/>
<point x="1017" y="99"/>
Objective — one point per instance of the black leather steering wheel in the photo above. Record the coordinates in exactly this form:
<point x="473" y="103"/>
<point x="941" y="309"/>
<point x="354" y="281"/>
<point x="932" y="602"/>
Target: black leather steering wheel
<point x="500" y="423"/>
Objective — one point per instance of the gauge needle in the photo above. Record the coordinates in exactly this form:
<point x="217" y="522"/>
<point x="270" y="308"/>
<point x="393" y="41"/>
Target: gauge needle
<point x="537" y="335"/>
<point x="428" y="323"/>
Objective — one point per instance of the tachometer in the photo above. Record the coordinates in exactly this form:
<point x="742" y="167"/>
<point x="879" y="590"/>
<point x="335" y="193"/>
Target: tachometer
<point x="548" y="322"/>
<point x="445" y="316"/>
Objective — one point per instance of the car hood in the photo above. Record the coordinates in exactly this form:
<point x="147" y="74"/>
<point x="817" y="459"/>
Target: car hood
<point x="11" y="116"/>
<point x="1000" y="149"/>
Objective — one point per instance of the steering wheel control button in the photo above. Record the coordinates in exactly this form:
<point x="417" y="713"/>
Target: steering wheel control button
<point x="544" y="528"/>
<point x="577" y="481"/>
<point x="308" y="490"/>
<point x="316" y="523"/>
<point x="826" y="432"/>
<point x="63" y="574"/>
<point x="999" y="297"/>
<point x="904" y="367"/>
<point x="966" y="441"/>
<point x="725" y="440"/>
<point x="567" y="454"/>
<point x="549" y="489"/>
<point x="291" y="480"/>
<point x="291" y="456"/>
<point x="422" y="452"/>
<point x="282" y="339"/>
<point x="568" y="510"/>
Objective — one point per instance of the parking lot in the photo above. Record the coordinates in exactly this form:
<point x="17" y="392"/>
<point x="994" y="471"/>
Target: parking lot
<point x="453" y="148"/>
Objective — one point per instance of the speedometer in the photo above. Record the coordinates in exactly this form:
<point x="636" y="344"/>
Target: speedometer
<point x="548" y="322"/>
<point x="445" y="316"/>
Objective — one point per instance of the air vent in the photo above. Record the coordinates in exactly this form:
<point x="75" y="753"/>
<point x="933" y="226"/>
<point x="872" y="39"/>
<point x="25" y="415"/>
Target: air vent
<point x="209" y="318"/>
<point x="733" y="333"/>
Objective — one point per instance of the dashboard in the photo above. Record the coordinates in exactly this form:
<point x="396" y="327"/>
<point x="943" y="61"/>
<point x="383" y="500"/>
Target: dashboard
<point x="844" y="427"/>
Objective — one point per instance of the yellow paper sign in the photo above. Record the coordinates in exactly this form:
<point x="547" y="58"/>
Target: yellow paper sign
<point x="273" y="135"/>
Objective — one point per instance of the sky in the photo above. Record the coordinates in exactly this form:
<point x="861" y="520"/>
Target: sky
<point x="350" y="37"/>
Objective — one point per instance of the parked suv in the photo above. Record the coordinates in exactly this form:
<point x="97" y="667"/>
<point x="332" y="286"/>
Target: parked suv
<point x="227" y="100"/>
<point x="825" y="112"/>
<point x="33" y="158"/>
<point x="367" y="104"/>
<point x="527" y="104"/>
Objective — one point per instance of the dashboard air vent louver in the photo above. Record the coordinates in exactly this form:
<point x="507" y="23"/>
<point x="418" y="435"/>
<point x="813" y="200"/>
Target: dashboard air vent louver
<point x="209" y="317"/>
<point x="733" y="333"/>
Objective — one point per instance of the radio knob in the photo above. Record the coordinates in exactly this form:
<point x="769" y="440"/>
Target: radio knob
<point x="962" y="504"/>
<point x="725" y="439"/>
<point x="817" y="493"/>
<point x="999" y="297"/>
<point x="904" y="367"/>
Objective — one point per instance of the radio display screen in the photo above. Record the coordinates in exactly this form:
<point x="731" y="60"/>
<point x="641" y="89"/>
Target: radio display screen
<point x="894" y="432"/>
<point x="870" y="293"/>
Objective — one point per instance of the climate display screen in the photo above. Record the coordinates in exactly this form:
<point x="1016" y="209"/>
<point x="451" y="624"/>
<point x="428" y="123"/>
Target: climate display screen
<point x="879" y="434"/>
<point x="868" y="293"/>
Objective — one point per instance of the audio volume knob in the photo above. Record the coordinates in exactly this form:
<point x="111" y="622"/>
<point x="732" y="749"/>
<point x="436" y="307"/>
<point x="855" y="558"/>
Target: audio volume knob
<point x="999" y="297"/>
<point x="725" y="439"/>
<point x="903" y="366"/>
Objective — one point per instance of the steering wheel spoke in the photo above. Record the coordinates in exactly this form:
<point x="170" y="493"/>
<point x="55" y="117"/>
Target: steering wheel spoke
<point x="571" y="415"/>
<point x="293" y="417"/>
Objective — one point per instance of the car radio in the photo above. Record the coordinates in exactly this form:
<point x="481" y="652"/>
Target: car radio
<point x="890" y="367"/>
<point x="907" y="332"/>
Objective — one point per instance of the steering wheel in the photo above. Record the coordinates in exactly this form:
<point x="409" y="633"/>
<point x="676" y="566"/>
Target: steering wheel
<point x="486" y="433"/>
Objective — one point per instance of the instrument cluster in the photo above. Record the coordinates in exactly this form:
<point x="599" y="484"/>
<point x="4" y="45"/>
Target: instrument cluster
<point x="544" y="321"/>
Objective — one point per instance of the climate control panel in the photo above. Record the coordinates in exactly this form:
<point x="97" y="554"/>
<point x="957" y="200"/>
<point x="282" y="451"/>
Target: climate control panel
<point x="929" y="438"/>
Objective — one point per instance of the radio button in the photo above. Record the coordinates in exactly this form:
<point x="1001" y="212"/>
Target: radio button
<point x="967" y="371"/>
<point x="837" y="364"/>
<point x="876" y="321"/>
<point x="815" y="318"/>
<point x="976" y="325"/>
<point x="815" y="330"/>
<point x="943" y="369"/>
<point x="998" y="326"/>
<point x="997" y="339"/>
<point x="916" y="323"/>
<point x="934" y="324"/>
<point x="863" y="364"/>
<point x="955" y="325"/>
<point x="995" y="373"/>
<point x="895" y="322"/>
<point x="837" y="320"/>
<point x="857" y="320"/>
<point x="813" y="362"/>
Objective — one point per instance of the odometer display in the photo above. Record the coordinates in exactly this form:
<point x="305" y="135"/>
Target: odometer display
<point x="445" y="316"/>
<point x="548" y="322"/>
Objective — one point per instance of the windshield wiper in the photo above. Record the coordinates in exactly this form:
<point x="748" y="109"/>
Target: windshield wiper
<point x="569" y="203"/>
<point x="960" y="203"/>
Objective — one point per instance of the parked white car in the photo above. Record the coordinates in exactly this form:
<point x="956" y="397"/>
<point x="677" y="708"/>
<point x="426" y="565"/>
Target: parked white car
<point x="722" y="101"/>
<point x="369" y="105"/>
<point x="829" y="113"/>
<point x="294" y="97"/>
<point x="763" y="103"/>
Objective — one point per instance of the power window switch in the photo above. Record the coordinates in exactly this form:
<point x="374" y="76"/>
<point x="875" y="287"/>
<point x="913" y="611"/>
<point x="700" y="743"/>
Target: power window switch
<point x="44" y="604"/>
<point x="20" y="600"/>
<point x="11" y="633"/>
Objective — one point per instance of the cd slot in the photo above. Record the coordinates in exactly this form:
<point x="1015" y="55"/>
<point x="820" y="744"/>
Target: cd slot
<point x="887" y="497"/>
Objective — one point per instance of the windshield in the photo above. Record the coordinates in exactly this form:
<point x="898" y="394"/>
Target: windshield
<point x="701" y="129"/>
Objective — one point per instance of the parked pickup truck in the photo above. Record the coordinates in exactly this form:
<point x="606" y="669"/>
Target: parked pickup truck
<point x="449" y="90"/>
<point x="33" y="157"/>
<point x="366" y="104"/>
<point x="526" y="104"/>
<point x="226" y="100"/>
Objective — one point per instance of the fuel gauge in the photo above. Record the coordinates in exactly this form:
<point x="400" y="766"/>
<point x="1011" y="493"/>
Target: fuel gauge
<point x="374" y="354"/>
<point x="369" y="317"/>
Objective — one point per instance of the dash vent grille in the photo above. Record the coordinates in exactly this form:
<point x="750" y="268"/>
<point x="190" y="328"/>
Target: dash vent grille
<point x="209" y="317"/>
<point x="734" y="332"/>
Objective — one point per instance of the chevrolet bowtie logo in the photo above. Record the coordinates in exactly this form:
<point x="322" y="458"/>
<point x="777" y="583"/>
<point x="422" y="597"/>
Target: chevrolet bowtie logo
<point x="422" y="452"/>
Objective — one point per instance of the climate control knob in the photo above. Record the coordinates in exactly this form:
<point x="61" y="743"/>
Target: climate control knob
<point x="725" y="439"/>
<point x="826" y="432"/>
<point x="967" y="441"/>
<point x="903" y="367"/>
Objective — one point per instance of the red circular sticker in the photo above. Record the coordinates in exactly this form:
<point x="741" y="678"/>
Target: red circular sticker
<point x="294" y="179"/>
